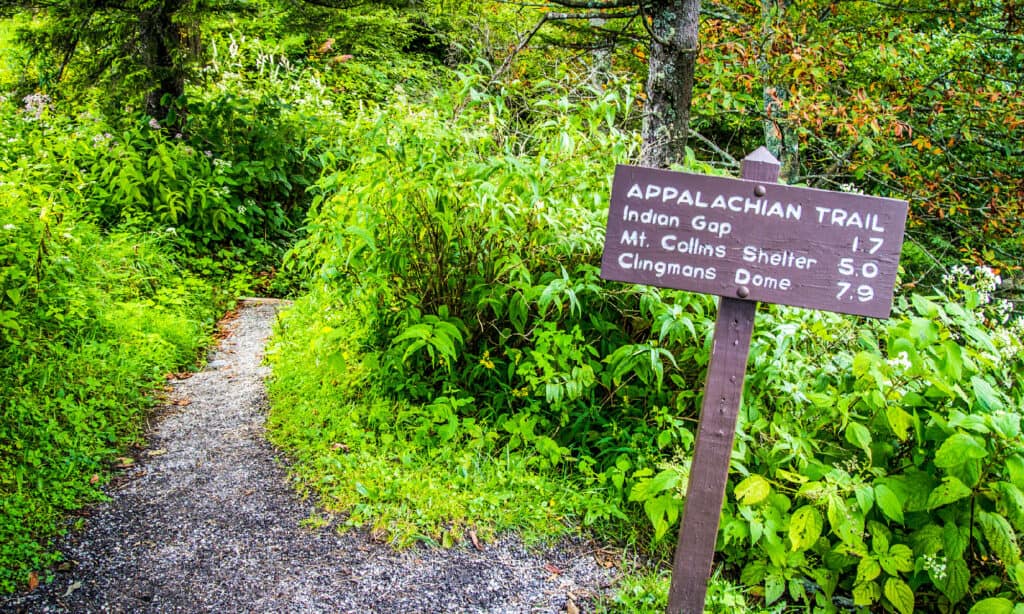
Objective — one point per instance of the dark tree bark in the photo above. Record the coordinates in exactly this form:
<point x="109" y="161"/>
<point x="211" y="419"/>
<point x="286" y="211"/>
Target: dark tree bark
<point x="674" y="26"/>
<point x="160" y="40"/>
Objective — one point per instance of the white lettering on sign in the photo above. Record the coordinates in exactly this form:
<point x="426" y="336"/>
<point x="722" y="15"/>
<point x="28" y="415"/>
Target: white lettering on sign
<point x="784" y="258"/>
<point x="746" y="278"/>
<point x="692" y="246"/>
<point x="719" y="229"/>
<point x="848" y="219"/>
<point x="728" y="202"/>
<point x="635" y="262"/>
<point x="743" y="238"/>
<point x="650" y="217"/>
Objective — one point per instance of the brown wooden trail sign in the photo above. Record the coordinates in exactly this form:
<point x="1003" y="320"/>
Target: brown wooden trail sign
<point x="746" y="240"/>
<point x="755" y="239"/>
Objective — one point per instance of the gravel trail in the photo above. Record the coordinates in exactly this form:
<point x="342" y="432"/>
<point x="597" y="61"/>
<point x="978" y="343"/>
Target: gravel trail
<point x="205" y="521"/>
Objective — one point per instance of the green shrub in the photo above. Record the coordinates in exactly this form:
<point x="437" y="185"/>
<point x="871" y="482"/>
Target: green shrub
<point x="90" y="323"/>
<point x="876" y="463"/>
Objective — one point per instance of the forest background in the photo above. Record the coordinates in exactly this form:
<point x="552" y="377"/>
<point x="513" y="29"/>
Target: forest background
<point x="429" y="180"/>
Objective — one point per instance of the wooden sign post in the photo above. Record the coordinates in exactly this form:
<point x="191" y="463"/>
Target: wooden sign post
<point x="746" y="240"/>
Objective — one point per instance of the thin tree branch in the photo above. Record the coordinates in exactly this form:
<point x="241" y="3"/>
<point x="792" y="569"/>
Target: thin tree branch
<point x="733" y="162"/>
<point x="551" y="16"/>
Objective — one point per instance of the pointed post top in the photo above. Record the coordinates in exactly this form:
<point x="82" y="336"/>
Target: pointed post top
<point x="761" y="165"/>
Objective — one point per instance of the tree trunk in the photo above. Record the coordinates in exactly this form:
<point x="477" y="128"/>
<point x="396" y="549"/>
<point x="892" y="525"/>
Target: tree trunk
<point x="779" y="136"/>
<point x="160" y="39"/>
<point x="674" y="27"/>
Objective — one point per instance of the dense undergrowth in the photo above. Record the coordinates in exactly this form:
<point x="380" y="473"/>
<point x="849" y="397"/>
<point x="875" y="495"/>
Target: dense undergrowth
<point x="89" y="325"/>
<point x="123" y="238"/>
<point x="454" y="366"/>
<point x="459" y="366"/>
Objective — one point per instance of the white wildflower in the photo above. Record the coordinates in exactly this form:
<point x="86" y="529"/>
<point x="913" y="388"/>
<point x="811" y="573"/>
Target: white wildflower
<point x="36" y="103"/>
<point x="901" y="362"/>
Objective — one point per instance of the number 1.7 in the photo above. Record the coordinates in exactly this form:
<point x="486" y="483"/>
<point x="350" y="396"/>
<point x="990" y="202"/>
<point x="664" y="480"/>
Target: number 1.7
<point x="876" y="244"/>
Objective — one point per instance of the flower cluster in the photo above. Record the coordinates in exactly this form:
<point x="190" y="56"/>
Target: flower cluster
<point x="901" y="362"/>
<point x="982" y="279"/>
<point x="983" y="282"/>
<point x="935" y="566"/>
<point x="36" y="103"/>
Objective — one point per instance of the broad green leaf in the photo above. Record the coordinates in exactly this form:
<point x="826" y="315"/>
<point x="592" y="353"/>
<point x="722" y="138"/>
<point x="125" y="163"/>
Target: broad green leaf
<point x="1000" y="537"/>
<point x="867" y="570"/>
<point x="955" y="583"/>
<point x="866" y="594"/>
<point x="1013" y="500"/>
<point x="958" y="449"/>
<point x="753" y="490"/>
<point x="925" y="332"/>
<point x="667" y="479"/>
<point x="859" y="435"/>
<point x="924" y="307"/>
<point x="899" y="421"/>
<point x="879" y="537"/>
<point x="954" y="541"/>
<point x="774" y="586"/>
<point x="753" y="573"/>
<point x="913" y="488"/>
<point x="863" y="362"/>
<point x="889" y="503"/>
<point x="986" y="395"/>
<point x="992" y="605"/>
<point x="927" y="540"/>
<point x="1015" y="467"/>
<point x="953" y="363"/>
<point x="846" y="524"/>
<point x="865" y="497"/>
<point x="805" y="528"/>
<point x="899" y="595"/>
<point x="968" y="473"/>
<point x="1017" y="573"/>
<point x="949" y="491"/>
<point x="796" y="590"/>
<point x="1006" y="423"/>
<point x="900" y="558"/>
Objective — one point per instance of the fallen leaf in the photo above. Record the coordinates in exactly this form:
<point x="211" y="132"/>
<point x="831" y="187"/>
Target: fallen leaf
<point x="552" y="569"/>
<point x="33" y="581"/>
<point x="182" y="402"/>
<point x="159" y="452"/>
<point x="124" y="461"/>
<point x="340" y="446"/>
<point x="95" y="478"/>
<point x="74" y="587"/>
<point x="571" y="607"/>
<point x="473" y="538"/>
